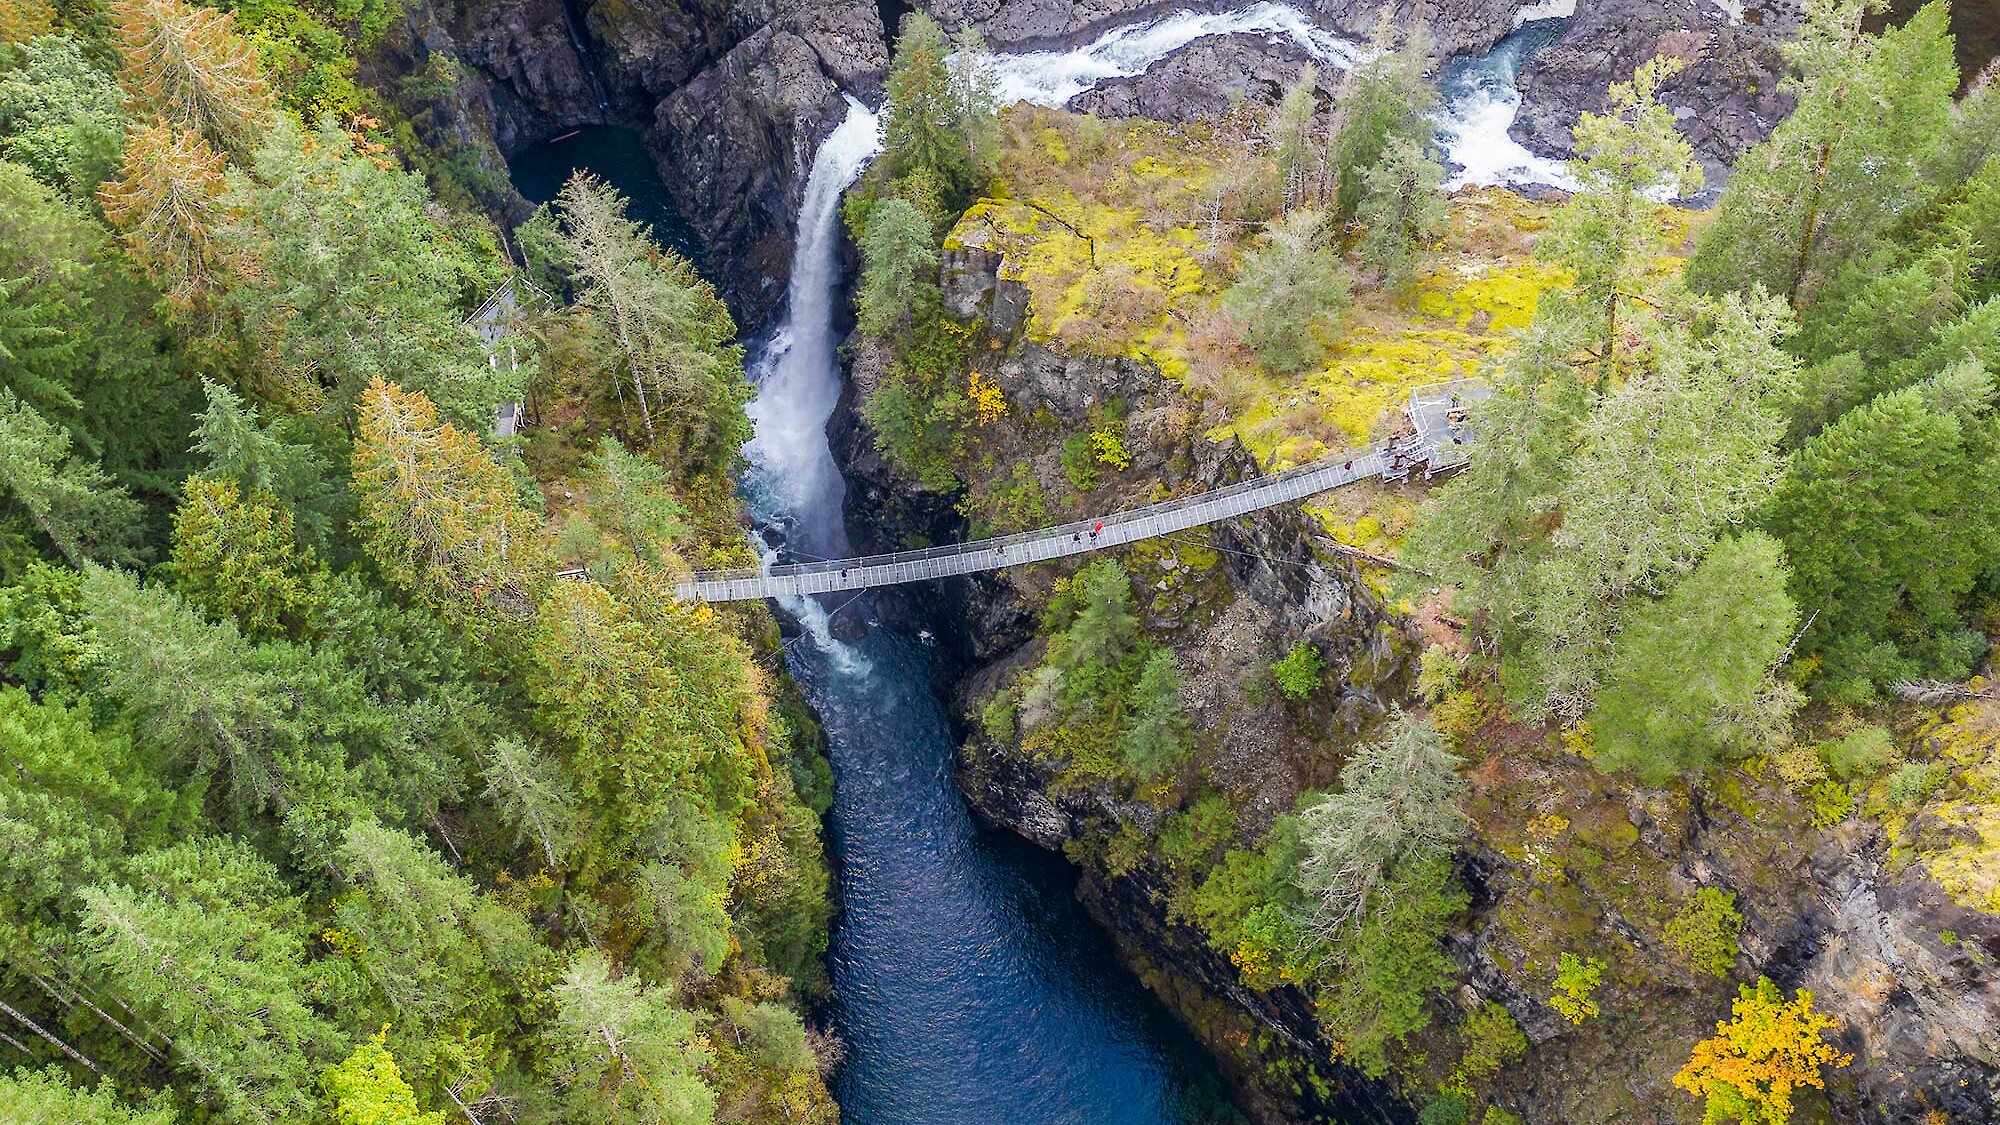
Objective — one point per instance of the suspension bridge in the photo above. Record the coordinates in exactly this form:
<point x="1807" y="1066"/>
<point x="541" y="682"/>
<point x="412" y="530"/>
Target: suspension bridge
<point x="1441" y="442"/>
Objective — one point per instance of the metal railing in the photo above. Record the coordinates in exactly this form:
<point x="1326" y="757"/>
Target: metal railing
<point x="1391" y="459"/>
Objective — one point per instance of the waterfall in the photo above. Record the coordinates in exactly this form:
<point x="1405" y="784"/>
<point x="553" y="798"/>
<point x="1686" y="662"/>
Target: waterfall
<point x="794" y="488"/>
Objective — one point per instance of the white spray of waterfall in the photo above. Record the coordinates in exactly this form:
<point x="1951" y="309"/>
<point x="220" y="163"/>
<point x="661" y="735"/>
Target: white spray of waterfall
<point x="1546" y="10"/>
<point x="1052" y="78"/>
<point x="795" y="486"/>
<point x="1481" y="101"/>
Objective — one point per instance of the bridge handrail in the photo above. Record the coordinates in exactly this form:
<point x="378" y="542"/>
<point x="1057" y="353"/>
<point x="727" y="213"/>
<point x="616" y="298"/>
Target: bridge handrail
<point x="1075" y="527"/>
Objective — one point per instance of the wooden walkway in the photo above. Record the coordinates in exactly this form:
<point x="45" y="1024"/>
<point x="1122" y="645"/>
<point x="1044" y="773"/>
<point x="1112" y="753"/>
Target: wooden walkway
<point x="1442" y="443"/>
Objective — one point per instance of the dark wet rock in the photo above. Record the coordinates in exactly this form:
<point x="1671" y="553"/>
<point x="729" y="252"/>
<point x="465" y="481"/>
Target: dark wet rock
<point x="731" y="97"/>
<point x="734" y="143"/>
<point x="1208" y="79"/>
<point x="1726" y="98"/>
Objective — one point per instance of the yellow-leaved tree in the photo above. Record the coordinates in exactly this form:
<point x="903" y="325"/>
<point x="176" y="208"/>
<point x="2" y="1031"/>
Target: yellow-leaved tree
<point x="442" y="516"/>
<point x="1747" y="1071"/>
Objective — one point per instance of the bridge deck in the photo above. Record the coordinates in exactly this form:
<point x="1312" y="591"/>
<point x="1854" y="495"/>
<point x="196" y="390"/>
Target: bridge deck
<point x="1442" y="442"/>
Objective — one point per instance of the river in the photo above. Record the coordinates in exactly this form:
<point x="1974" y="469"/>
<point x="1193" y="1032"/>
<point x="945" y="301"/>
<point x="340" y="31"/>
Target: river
<point x="970" y="987"/>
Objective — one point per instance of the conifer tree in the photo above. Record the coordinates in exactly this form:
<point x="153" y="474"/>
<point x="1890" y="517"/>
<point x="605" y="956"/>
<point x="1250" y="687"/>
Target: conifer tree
<point x="1156" y="731"/>
<point x="1663" y="465"/>
<point x="345" y="270"/>
<point x="1691" y="676"/>
<point x="213" y="952"/>
<point x="1387" y="94"/>
<point x="70" y="498"/>
<point x="641" y="700"/>
<point x="436" y="949"/>
<point x="1101" y="633"/>
<point x="1846" y="165"/>
<point x="1889" y="519"/>
<point x="1397" y="806"/>
<point x="938" y="125"/>
<point x="1487" y="531"/>
<point x="263" y="460"/>
<point x="87" y="352"/>
<point x="666" y="335"/>
<point x="238" y="557"/>
<point x="898" y="278"/>
<point x="1293" y="140"/>
<point x="60" y="117"/>
<point x="1287" y="292"/>
<point x="1608" y="234"/>
<point x="192" y="689"/>
<point x="188" y="66"/>
<point x="535" y="795"/>
<point x="167" y="199"/>
<point x="627" y="1052"/>
<point x="441" y="516"/>
<point x="631" y="498"/>
<point x="1400" y="211"/>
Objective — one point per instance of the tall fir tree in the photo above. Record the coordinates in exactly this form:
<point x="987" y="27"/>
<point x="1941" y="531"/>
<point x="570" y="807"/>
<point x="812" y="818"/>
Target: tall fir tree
<point x="1608" y="234"/>
<point x="1848" y="163"/>
<point x="1889" y="520"/>
<point x="1693" y="674"/>
<point x="187" y="65"/>
<point x="167" y="200"/>
<point x="663" y="334"/>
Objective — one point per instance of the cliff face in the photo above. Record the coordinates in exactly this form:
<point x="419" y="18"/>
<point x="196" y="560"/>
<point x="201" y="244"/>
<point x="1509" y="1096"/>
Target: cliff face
<point x="1567" y="860"/>
<point x="731" y="98"/>
<point x="1562" y="859"/>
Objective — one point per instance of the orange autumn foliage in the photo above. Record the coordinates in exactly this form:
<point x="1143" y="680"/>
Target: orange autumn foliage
<point x="1748" y="1070"/>
<point x="167" y="201"/>
<point x="188" y="65"/>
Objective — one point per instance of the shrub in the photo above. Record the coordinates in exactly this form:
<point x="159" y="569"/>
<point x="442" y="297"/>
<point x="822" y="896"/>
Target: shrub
<point x="1832" y="803"/>
<point x="1458" y="715"/>
<point x="1858" y="754"/>
<point x="1706" y="931"/>
<point x="1576" y="985"/>
<point x="1080" y="462"/>
<point x="997" y="718"/>
<point x="1298" y="674"/>
<point x="1439" y="672"/>
<point x="1797" y="765"/>
<point x="1492" y="1040"/>
<point x="1914" y="782"/>
<point x="1449" y="1107"/>
<point x="1109" y="449"/>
